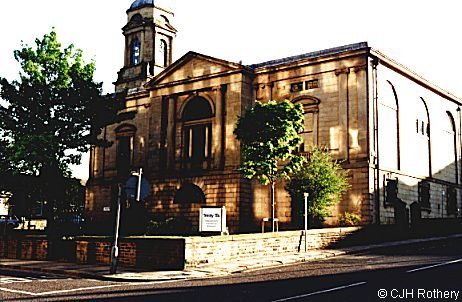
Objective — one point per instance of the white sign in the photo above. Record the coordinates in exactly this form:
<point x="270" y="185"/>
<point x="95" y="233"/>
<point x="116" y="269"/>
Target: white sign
<point x="212" y="220"/>
<point x="106" y="209"/>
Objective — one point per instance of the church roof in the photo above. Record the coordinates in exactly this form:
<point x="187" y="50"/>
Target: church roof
<point x="311" y="55"/>
<point x="140" y="3"/>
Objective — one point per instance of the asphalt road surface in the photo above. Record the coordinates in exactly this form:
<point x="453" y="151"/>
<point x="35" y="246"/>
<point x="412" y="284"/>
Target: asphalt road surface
<point x="421" y="272"/>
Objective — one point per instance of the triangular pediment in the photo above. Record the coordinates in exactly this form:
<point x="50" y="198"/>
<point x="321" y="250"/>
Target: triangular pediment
<point x="194" y="66"/>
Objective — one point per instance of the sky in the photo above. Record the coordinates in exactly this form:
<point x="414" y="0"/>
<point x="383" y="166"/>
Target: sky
<point x="422" y="35"/>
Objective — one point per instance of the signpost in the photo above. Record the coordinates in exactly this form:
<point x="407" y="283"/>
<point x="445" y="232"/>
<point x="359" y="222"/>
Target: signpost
<point x="136" y="188"/>
<point x="212" y="219"/>
<point x="306" y="220"/>
<point x="115" y="247"/>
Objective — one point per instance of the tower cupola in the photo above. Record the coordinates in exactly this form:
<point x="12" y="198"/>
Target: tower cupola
<point x="149" y="39"/>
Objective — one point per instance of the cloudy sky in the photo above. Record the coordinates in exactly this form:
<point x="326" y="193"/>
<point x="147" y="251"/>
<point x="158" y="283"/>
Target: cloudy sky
<point x="423" y="35"/>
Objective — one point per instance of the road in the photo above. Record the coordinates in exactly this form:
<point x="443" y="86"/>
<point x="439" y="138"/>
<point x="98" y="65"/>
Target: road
<point x="422" y="272"/>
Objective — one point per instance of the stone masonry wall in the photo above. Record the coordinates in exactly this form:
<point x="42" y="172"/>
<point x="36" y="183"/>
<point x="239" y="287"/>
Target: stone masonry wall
<point x="175" y="253"/>
<point x="200" y="250"/>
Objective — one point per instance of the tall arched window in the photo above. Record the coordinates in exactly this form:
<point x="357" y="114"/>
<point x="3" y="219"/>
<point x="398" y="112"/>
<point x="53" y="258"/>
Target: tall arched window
<point x="449" y="140"/>
<point x="136" y="51"/>
<point x="197" y="133"/>
<point x="310" y="123"/>
<point x="125" y="142"/>
<point x="162" y="54"/>
<point x="389" y="127"/>
<point x="423" y="137"/>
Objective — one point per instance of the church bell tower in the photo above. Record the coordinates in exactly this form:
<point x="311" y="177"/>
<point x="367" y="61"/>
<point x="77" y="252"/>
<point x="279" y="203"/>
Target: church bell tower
<point x="149" y="39"/>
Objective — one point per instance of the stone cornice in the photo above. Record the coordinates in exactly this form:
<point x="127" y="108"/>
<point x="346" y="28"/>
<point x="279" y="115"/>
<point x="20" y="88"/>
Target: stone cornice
<point x="405" y="71"/>
<point x="310" y="61"/>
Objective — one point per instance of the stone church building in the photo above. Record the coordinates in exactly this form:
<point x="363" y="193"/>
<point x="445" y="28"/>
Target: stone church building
<point x="397" y="134"/>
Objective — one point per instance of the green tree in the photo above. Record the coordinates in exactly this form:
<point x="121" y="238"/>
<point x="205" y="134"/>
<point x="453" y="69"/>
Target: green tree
<point x="269" y="138"/>
<point x="52" y="113"/>
<point x="323" y="179"/>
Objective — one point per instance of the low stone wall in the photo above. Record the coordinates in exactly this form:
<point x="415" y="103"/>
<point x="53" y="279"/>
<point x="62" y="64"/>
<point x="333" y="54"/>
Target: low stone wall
<point x="200" y="250"/>
<point x="169" y="253"/>
<point x="159" y="253"/>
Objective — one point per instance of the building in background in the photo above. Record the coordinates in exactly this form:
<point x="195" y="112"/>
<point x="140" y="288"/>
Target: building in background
<point x="397" y="134"/>
<point x="4" y="206"/>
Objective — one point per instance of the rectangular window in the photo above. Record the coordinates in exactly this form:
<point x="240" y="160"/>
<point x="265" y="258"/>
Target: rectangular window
<point x="451" y="193"/>
<point x="308" y="132"/>
<point x="391" y="191"/>
<point x="197" y="148"/>
<point x="124" y="159"/>
<point x="424" y="194"/>
<point x="422" y="128"/>
<point x="311" y="84"/>
<point x="296" y="87"/>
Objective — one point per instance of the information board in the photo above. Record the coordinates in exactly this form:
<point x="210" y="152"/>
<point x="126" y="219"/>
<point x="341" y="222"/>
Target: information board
<point x="212" y="219"/>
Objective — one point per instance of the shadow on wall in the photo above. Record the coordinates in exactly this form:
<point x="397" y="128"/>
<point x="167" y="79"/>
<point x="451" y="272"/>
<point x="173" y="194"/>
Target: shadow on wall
<point x="174" y="210"/>
<point x="406" y="200"/>
<point x="374" y="234"/>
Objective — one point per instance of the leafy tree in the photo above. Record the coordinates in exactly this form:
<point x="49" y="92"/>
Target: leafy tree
<point x="52" y="113"/>
<point x="269" y="137"/>
<point x="323" y="179"/>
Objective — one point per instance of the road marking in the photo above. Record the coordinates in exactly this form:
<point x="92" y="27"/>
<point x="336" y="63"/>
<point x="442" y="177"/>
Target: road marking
<point x="14" y="280"/>
<point x="17" y="291"/>
<point x="320" y="292"/>
<point x="59" y="291"/>
<point x="8" y="280"/>
<point x="432" y="266"/>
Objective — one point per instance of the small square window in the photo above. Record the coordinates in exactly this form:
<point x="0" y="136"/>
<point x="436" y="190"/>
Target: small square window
<point x="311" y="84"/>
<point x="296" y="87"/>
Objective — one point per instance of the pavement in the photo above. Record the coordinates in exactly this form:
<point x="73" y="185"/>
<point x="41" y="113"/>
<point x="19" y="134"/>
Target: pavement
<point x="210" y="270"/>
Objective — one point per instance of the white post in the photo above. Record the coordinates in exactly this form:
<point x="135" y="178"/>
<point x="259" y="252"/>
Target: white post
<point x="115" y="247"/>
<point x="138" y="189"/>
<point x="306" y="221"/>
<point x="273" y="211"/>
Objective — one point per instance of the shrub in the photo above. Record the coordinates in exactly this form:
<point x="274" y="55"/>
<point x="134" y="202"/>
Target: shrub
<point x="323" y="179"/>
<point x="349" y="219"/>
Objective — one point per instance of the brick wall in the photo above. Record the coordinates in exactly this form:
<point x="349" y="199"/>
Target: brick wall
<point x="24" y="247"/>
<point x="103" y="252"/>
<point x="175" y="253"/>
<point x="41" y="246"/>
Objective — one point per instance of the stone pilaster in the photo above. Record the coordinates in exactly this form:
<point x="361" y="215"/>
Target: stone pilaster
<point x="217" y="135"/>
<point x="343" y="135"/>
<point x="171" y="132"/>
<point x="361" y="94"/>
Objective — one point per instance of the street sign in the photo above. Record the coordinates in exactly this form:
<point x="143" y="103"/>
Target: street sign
<point x="134" y="188"/>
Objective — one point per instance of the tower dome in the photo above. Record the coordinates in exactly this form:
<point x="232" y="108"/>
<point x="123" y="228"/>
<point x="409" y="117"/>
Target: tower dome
<point x="140" y="3"/>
